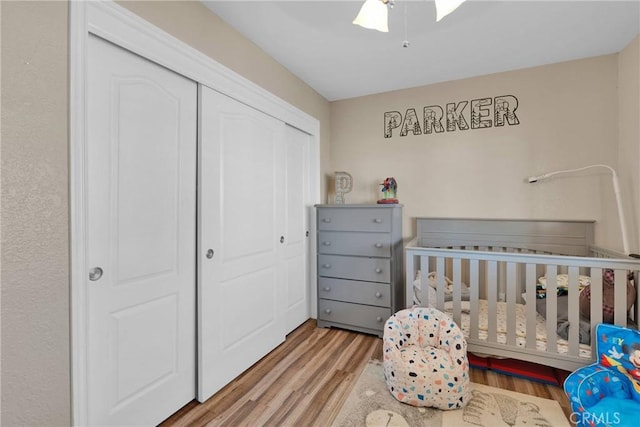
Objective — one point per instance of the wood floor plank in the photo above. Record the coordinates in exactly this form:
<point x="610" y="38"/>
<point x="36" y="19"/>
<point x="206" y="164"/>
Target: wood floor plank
<point x="282" y="413"/>
<point x="306" y="380"/>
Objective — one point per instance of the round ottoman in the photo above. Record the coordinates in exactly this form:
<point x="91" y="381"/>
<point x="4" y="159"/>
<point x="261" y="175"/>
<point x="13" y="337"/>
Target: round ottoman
<point x="425" y="359"/>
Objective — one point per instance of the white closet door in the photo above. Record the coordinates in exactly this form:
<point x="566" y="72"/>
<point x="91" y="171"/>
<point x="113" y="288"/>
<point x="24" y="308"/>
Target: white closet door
<point x="141" y="189"/>
<point x="297" y="225"/>
<point x="240" y="226"/>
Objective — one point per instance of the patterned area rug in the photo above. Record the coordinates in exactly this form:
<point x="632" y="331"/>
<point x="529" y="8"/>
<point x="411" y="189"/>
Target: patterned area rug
<point x="370" y="404"/>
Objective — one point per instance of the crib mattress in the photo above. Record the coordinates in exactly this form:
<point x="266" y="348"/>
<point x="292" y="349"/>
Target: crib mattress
<point x="501" y="327"/>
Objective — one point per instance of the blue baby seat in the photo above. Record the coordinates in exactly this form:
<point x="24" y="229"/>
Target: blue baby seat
<point x="607" y="392"/>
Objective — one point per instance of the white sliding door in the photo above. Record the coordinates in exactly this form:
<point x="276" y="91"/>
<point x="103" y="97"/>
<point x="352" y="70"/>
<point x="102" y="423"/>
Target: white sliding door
<point x="296" y="248"/>
<point x="241" y="225"/>
<point x="141" y="211"/>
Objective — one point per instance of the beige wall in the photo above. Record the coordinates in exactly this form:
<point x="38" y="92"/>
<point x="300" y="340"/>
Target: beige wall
<point x="629" y="145"/>
<point x="568" y="119"/>
<point x="35" y="196"/>
<point x="35" y="215"/>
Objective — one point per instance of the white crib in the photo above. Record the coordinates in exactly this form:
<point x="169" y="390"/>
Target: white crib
<point x="487" y="271"/>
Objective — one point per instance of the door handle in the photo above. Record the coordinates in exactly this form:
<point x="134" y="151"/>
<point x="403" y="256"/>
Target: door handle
<point x="95" y="273"/>
<point x="210" y="253"/>
<point x="281" y="239"/>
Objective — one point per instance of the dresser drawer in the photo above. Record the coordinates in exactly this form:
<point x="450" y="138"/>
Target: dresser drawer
<point x="364" y="316"/>
<point x="354" y="243"/>
<point x="365" y="219"/>
<point x="355" y="268"/>
<point x="354" y="291"/>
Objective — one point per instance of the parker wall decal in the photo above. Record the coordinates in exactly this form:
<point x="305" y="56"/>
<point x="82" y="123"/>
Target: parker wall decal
<point x="459" y="116"/>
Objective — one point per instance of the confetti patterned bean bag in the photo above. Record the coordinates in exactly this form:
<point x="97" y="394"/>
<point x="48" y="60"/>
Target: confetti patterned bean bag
<point x="425" y="359"/>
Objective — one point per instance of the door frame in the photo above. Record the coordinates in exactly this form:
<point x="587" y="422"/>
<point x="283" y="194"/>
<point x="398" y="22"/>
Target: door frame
<point x="118" y="25"/>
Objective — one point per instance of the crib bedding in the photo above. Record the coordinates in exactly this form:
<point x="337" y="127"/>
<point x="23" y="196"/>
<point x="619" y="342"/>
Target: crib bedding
<point x="431" y="280"/>
<point x="562" y="282"/>
<point x="501" y="327"/>
<point x="562" y="313"/>
<point x="562" y="285"/>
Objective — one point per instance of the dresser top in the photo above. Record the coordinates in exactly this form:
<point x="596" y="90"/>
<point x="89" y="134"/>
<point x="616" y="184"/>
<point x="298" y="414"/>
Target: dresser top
<point x="387" y="206"/>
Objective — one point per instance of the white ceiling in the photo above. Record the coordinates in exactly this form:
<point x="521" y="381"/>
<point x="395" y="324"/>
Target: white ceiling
<point x="317" y="42"/>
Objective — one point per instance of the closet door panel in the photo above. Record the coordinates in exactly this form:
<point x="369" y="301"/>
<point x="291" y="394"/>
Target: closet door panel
<point x="240" y="224"/>
<point x="141" y="188"/>
<point x="296" y="242"/>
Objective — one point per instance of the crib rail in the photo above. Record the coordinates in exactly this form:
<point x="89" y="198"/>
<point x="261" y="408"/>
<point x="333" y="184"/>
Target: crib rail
<point x="503" y="277"/>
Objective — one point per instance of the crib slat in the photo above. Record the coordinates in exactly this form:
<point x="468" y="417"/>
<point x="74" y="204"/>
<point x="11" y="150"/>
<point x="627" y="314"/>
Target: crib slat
<point x="483" y="273"/>
<point x="410" y="277"/>
<point x="531" y="300"/>
<point x="552" y="308"/>
<point x="492" y="306"/>
<point x="620" y="298"/>
<point x="574" y="314"/>
<point x="457" y="289"/>
<point x="511" y="303"/>
<point x="596" y="297"/>
<point x="440" y="283"/>
<point x="424" y="282"/>
<point x="474" y="295"/>
<point x="595" y="305"/>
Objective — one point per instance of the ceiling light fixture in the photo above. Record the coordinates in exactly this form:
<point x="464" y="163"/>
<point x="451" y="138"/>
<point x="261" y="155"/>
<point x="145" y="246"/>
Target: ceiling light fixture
<point x="374" y="13"/>
<point x="445" y="7"/>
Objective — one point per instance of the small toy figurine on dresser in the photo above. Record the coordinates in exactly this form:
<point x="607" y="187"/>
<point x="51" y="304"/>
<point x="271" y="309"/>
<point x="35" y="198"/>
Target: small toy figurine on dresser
<point x="389" y="191"/>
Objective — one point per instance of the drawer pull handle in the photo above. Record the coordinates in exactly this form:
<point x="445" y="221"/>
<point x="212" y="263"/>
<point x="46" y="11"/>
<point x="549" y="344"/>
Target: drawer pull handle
<point x="326" y="243"/>
<point x="326" y="220"/>
<point x="379" y="319"/>
<point x="378" y="295"/>
<point x="378" y="270"/>
<point x="378" y="245"/>
<point x="377" y="220"/>
<point x="327" y="310"/>
<point x="327" y="289"/>
<point x="326" y="265"/>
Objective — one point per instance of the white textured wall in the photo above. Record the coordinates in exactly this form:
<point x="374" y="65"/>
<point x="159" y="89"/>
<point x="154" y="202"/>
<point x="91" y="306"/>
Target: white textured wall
<point x="629" y="146"/>
<point x="35" y="215"/>
<point x="568" y="118"/>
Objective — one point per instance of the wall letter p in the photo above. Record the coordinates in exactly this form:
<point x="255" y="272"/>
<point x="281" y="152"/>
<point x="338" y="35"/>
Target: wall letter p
<point x="392" y="120"/>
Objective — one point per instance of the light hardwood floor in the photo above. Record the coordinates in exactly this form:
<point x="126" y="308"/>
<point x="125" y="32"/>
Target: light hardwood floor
<point x="305" y="381"/>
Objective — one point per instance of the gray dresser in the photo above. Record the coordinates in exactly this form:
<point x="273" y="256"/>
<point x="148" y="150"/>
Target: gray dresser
<point x="359" y="265"/>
